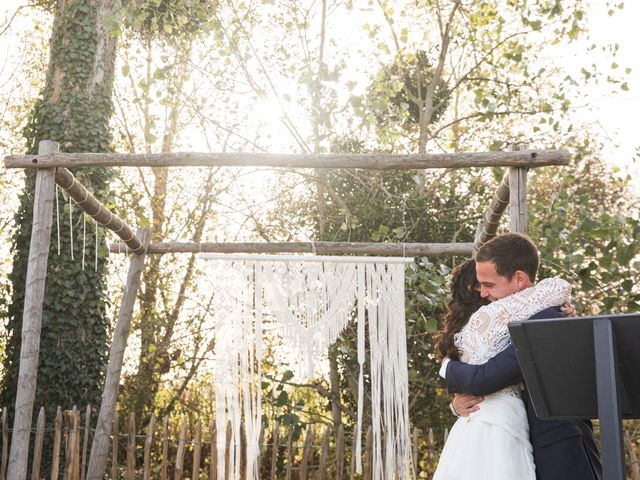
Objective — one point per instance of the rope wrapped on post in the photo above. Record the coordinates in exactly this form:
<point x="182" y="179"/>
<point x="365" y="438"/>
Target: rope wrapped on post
<point x="487" y="229"/>
<point x="101" y="214"/>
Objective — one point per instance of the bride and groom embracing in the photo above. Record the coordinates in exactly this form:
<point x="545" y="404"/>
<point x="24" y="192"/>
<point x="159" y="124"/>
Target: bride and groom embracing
<point x="497" y="435"/>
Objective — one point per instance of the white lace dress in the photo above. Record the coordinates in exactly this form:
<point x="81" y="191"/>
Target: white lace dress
<point x="493" y="442"/>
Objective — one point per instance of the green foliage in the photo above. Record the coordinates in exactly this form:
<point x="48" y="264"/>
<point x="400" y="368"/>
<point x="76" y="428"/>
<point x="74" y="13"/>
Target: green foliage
<point x="398" y="91"/>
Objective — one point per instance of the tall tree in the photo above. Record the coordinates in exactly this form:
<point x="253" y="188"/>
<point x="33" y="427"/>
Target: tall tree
<point x="74" y="109"/>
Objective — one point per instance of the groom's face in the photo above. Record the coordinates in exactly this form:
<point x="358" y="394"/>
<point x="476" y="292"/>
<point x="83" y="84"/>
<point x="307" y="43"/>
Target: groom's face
<point x="494" y="286"/>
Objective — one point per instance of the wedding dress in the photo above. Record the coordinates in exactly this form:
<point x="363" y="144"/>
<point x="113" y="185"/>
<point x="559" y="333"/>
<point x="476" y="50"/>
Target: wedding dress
<point x="493" y="442"/>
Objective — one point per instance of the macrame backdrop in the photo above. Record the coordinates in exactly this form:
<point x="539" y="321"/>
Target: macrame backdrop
<point x="311" y="302"/>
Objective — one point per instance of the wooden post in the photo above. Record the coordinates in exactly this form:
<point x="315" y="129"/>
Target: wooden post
<point x="165" y="449"/>
<point x="72" y="450"/>
<point x="85" y="442"/>
<point x="306" y="452"/>
<point x="324" y="454"/>
<point x="131" y="448"/>
<point x="100" y="444"/>
<point x="147" y="447"/>
<point x="57" y="439"/>
<point x="114" y="447"/>
<point x="32" y="315"/>
<point x="518" y="199"/>
<point x="274" y="452"/>
<point x="227" y="451"/>
<point x="340" y="453"/>
<point x="177" y="474"/>
<point x="197" y="445"/>
<point x="37" y="449"/>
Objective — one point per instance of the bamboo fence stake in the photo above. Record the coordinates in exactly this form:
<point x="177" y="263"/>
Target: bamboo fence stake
<point x="37" y="449"/>
<point x="324" y="454"/>
<point x="85" y="442"/>
<point x="148" y="442"/>
<point x="32" y="317"/>
<point x="340" y="453"/>
<point x="197" y="446"/>
<point x="114" y="447"/>
<point x="213" y="463"/>
<point x="306" y="453"/>
<point x="165" y="449"/>
<point x="274" y="451"/>
<point x="70" y="444"/>
<point x="57" y="439"/>
<point x="131" y="448"/>
<point x="100" y="444"/>
<point x="177" y="474"/>
<point x="289" y="453"/>
<point x="5" y="443"/>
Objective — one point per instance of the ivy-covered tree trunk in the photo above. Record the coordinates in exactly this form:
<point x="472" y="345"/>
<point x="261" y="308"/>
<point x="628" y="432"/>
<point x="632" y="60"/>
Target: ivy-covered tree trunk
<point x="74" y="110"/>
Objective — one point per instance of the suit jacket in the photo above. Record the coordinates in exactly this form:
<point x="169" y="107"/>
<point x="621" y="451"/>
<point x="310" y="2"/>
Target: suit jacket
<point x="562" y="449"/>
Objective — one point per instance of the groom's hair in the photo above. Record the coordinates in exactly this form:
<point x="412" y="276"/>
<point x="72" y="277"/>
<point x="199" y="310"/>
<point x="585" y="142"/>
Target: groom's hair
<point x="511" y="252"/>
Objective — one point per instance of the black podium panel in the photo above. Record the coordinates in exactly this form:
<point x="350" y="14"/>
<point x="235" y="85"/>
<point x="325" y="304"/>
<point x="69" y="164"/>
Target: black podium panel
<point x="558" y="362"/>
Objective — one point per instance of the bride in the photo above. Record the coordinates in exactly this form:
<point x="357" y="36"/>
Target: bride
<point x="493" y="442"/>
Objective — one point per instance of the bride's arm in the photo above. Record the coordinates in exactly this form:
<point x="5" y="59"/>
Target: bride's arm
<point x="547" y="293"/>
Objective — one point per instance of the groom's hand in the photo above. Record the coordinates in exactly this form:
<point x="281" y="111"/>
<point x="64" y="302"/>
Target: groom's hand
<point x="465" y="404"/>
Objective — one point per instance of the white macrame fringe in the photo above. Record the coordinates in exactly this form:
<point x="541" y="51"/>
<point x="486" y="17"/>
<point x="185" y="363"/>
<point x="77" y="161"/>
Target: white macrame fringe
<point x="312" y="303"/>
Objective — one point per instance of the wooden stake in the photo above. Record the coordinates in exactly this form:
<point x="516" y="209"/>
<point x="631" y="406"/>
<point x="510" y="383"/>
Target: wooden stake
<point x="32" y="316"/>
<point x="373" y="161"/>
<point x="100" y="444"/>
<point x="85" y="443"/>
<point x="177" y="474"/>
<point x="165" y="449"/>
<point x="324" y="454"/>
<point x="148" y="442"/>
<point x="213" y="463"/>
<point x="114" y="447"/>
<point x="37" y="449"/>
<point x="5" y="444"/>
<point x="57" y="440"/>
<point x="289" y="453"/>
<point x="197" y="445"/>
<point x="131" y="448"/>
<point x="274" y="451"/>
<point x="368" y="455"/>
<point x="306" y="453"/>
<point x="518" y="200"/>
<point x="340" y="453"/>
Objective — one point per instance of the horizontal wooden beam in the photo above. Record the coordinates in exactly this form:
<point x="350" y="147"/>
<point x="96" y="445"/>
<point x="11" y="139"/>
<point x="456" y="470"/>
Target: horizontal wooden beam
<point x="320" y="248"/>
<point x="92" y="207"/>
<point x="375" y="161"/>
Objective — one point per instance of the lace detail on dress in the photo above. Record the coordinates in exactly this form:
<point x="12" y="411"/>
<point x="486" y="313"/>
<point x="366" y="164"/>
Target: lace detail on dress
<point x="486" y="333"/>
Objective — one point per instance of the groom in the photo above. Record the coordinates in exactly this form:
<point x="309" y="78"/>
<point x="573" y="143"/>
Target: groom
<point x="562" y="449"/>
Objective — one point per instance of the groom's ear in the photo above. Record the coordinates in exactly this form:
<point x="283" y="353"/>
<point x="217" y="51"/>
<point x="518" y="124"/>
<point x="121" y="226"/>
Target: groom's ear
<point x="522" y="279"/>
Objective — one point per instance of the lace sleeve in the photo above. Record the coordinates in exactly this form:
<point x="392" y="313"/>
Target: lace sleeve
<point x="487" y="327"/>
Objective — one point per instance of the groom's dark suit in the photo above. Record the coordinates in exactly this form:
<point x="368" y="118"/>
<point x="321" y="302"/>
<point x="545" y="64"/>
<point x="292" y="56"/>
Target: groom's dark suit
<point x="562" y="449"/>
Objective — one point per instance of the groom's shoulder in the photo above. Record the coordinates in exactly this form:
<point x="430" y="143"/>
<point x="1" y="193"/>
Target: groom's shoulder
<point x="551" y="312"/>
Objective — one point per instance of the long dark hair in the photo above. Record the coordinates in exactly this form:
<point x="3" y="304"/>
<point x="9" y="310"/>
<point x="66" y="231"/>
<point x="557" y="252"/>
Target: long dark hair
<point x="465" y="299"/>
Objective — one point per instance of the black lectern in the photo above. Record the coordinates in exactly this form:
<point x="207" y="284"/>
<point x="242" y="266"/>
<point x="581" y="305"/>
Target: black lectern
<point x="584" y="368"/>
